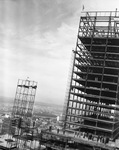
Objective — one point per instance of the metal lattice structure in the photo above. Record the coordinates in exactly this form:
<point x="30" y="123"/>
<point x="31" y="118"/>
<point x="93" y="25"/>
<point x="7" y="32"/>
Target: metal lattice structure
<point x="20" y="124"/>
<point x="24" y="98"/>
<point x="23" y="106"/>
<point x="93" y="100"/>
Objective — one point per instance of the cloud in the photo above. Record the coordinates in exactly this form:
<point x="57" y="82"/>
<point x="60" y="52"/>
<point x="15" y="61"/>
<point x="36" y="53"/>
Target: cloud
<point x="36" y="40"/>
<point x="43" y="57"/>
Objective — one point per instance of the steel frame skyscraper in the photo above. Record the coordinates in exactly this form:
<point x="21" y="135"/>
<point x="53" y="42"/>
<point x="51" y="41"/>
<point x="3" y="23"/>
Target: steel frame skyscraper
<point x="92" y="105"/>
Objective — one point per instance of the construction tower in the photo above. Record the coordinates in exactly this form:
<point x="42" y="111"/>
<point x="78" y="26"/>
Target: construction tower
<point x="92" y="106"/>
<point x="24" y="98"/>
<point x="21" y="120"/>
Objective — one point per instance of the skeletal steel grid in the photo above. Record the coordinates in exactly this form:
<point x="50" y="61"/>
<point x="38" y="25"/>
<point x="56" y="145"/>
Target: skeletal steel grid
<point x="22" y="110"/>
<point x="93" y="98"/>
<point x="24" y="98"/>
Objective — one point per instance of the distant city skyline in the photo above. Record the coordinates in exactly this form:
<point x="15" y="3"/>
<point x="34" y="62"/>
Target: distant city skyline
<point x="36" y="41"/>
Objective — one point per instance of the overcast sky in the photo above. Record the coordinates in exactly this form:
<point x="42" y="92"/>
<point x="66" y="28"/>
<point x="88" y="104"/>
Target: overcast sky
<point x="36" y="41"/>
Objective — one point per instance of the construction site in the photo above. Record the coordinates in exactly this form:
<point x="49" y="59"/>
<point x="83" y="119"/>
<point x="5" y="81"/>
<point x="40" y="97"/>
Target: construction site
<point x="91" y="109"/>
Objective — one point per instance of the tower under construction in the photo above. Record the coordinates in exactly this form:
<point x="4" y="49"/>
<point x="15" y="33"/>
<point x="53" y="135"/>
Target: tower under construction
<point x="92" y="107"/>
<point x="24" y="98"/>
<point x="21" y="126"/>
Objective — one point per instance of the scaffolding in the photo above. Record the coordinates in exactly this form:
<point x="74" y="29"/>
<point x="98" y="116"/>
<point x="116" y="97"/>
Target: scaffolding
<point x="21" y="126"/>
<point x="24" y="98"/>
<point x="93" y="101"/>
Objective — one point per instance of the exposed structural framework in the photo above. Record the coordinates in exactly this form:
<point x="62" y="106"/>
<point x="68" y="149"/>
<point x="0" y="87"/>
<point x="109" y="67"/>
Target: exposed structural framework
<point x="93" y="100"/>
<point x="23" y="105"/>
<point x="24" y="98"/>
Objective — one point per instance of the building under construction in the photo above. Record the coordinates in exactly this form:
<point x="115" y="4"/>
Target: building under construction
<point x="20" y="125"/>
<point x="91" y="110"/>
<point x="92" y="106"/>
